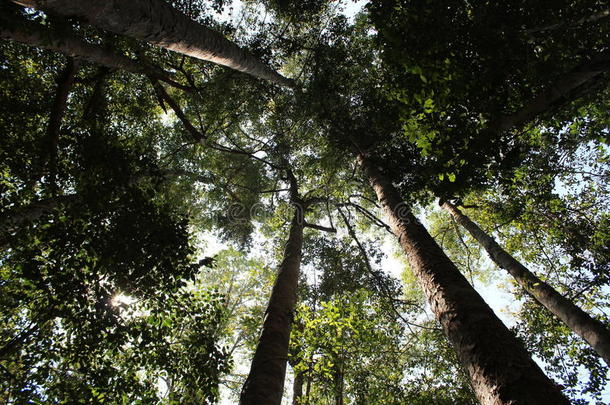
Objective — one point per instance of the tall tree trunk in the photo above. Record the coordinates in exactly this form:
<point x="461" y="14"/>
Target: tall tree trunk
<point x="590" y="329"/>
<point x="500" y="369"/>
<point x="158" y="23"/>
<point x="15" y="28"/>
<point x="265" y="383"/>
<point x="297" y="388"/>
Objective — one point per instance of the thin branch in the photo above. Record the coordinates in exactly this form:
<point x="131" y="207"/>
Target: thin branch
<point x="459" y="235"/>
<point x="365" y="198"/>
<point x="195" y="134"/>
<point x="381" y="283"/>
<point x="320" y="228"/>
<point x="371" y="217"/>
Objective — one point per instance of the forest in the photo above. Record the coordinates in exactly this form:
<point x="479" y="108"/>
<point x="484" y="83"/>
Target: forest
<point x="315" y="202"/>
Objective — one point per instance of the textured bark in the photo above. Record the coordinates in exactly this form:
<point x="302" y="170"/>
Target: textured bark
<point x="297" y="389"/>
<point x="29" y="33"/>
<point x="500" y="369"/>
<point x="559" y="92"/>
<point x="265" y="383"/>
<point x="156" y="22"/>
<point x="590" y="329"/>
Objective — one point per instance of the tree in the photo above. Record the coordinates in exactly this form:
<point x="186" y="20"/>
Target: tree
<point x="160" y="24"/>
<point x="465" y="89"/>
<point x="463" y="314"/>
<point x="467" y="321"/>
<point x="17" y="28"/>
<point x="590" y="329"/>
<point x="266" y="379"/>
<point x="105" y="233"/>
<point x="553" y="227"/>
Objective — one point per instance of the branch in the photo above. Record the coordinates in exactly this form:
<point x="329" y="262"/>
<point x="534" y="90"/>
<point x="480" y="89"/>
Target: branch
<point x="468" y="258"/>
<point x="380" y="281"/>
<point x="65" y="82"/>
<point x="195" y="134"/>
<point x="580" y="76"/>
<point x="95" y="105"/>
<point x="159" y="24"/>
<point x="365" y="198"/>
<point x="30" y="33"/>
<point x="590" y="18"/>
<point x="16" y="217"/>
<point x="371" y="216"/>
<point x="320" y="228"/>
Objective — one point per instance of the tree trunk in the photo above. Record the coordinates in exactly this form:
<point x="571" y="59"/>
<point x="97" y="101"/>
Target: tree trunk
<point x="339" y="382"/>
<point x="590" y="329"/>
<point x="500" y="369"/>
<point x="297" y="389"/>
<point x="265" y="383"/>
<point x="559" y="92"/>
<point x="30" y="33"/>
<point x="158" y="23"/>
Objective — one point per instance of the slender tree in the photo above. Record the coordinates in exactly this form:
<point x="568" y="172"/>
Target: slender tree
<point x="158" y="23"/>
<point x="587" y="327"/>
<point x="297" y="388"/>
<point x="265" y="381"/>
<point x="500" y="368"/>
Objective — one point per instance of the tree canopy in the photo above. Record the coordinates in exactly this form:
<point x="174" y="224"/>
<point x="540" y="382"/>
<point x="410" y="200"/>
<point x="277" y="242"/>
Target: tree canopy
<point x="222" y="202"/>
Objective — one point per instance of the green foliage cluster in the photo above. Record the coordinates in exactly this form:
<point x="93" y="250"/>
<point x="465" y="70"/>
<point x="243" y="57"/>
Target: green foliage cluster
<point x="455" y="83"/>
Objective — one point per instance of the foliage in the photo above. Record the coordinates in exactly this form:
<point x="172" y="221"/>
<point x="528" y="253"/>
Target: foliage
<point x="104" y="221"/>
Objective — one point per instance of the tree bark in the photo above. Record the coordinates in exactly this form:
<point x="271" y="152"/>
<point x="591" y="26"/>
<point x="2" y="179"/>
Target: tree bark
<point x="297" y="389"/>
<point x="590" y="329"/>
<point x="30" y="33"/>
<point x="500" y="369"/>
<point x="265" y="383"/>
<point x="158" y="23"/>
<point x="339" y="382"/>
